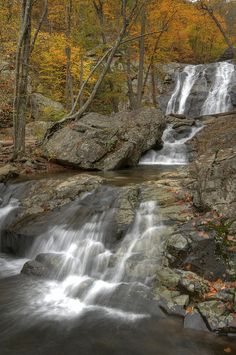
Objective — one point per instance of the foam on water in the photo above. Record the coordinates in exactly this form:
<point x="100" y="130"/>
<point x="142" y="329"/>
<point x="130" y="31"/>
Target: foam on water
<point x="174" y="151"/>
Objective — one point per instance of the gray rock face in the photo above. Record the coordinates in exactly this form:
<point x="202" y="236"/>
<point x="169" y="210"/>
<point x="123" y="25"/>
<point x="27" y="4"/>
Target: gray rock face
<point x="214" y="169"/>
<point x="106" y="143"/>
<point x="35" y="268"/>
<point x="47" y="265"/>
<point x="42" y="107"/>
<point x="229" y="54"/>
<point x="216" y="314"/>
<point x="195" y="321"/>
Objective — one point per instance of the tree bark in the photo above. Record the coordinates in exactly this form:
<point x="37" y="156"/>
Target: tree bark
<point x="69" y="80"/>
<point x="131" y="95"/>
<point x="209" y="10"/>
<point x="21" y="79"/>
<point x="100" y="14"/>
<point x="141" y="58"/>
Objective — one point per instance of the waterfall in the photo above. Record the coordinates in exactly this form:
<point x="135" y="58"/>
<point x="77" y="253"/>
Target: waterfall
<point x="184" y="84"/>
<point x="203" y="90"/>
<point x="219" y="99"/>
<point x="9" y="266"/>
<point x="174" y="151"/>
<point x="94" y="272"/>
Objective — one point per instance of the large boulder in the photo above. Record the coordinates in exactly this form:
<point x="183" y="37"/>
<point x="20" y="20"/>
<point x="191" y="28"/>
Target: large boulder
<point x="43" y="108"/>
<point x="107" y="142"/>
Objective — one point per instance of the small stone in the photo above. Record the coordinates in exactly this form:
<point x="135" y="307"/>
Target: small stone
<point x="168" y="277"/>
<point x="195" y="321"/>
<point x="178" y="242"/>
<point x="182" y="300"/>
<point x="35" y="268"/>
<point x="193" y="283"/>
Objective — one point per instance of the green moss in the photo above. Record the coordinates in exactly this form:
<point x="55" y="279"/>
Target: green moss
<point x="50" y="114"/>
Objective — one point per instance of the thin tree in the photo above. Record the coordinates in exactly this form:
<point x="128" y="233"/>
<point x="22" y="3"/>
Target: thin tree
<point x="99" y="8"/>
<point x="69" y="82"/>
<point x="21" y="79"/>
<point x="141" y="58"/>
<point x="203" y="6"/>
<point x="127" y="20"/>
<point x="23" y="52"/>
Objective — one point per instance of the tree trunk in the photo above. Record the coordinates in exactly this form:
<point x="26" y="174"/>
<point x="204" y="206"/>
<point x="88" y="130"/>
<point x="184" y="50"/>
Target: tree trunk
<point x="109" y="54"/>
<point x="100" y="14"/>
<point x="131" y="95"/>
<point x="210" y="12"/>
<point x="69" y="81"/>
<point x="141" y="59"/>
<point x="21" y="79"/>
<point x="154" y="85"/>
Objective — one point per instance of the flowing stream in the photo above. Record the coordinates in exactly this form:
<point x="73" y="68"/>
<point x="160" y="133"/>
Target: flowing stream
<point x="174" y="151"/>
<point x="97" y="298"/>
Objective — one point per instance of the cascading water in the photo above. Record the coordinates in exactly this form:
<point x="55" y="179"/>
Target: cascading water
<point x="203" y="90"/>
<point x="207" y="87"/>
<point x="184" y="84"/>
<point x="8" y="265"/>
<point x="174" y="151"/>
<point x="89" y="271"/>
<point x="219" y="99"/>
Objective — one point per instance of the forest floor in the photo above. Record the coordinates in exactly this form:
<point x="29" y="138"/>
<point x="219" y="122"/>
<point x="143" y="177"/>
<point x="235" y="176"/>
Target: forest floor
<point x="32" y="162"/>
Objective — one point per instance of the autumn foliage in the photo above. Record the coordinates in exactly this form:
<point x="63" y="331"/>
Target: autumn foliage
<point x="187" y="35"/>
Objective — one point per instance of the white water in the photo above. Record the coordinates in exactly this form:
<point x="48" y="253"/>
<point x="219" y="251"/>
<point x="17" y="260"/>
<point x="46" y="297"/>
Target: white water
<point x="9" y="266"/>
<point x="218" y="99"/>
<point x="174" y="151"/>
<point x="87" y="260"/>
<point x="184" y="84"/>
<point x="90" y="272"/>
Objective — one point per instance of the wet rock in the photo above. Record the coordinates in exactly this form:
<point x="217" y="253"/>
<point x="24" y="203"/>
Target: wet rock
<point x="126" y="205"/>
<point x="107" y="143"/>
<point x="48" y="265"/>
<point x="135" y="298"/>
<point x="195" y="321"/>
<point x="54" y="262"/>
<point x="171" y="309"/>
<point x="35" y="268"/>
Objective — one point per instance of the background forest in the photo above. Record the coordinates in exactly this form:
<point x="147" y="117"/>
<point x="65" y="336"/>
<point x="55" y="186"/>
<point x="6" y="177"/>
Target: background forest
<point x="75" y="33"/>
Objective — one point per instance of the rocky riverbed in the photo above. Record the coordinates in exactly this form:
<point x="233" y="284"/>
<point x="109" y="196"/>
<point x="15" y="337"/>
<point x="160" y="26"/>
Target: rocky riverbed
<point x="189" y="263"/>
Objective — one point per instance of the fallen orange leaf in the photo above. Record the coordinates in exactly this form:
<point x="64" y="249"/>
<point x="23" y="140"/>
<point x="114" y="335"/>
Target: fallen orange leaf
<point x="189" y="310"/>
<point x="227" y="350"/>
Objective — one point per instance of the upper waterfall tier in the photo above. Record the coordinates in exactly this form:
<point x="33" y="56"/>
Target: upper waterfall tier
<point x="204" y="90"/>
